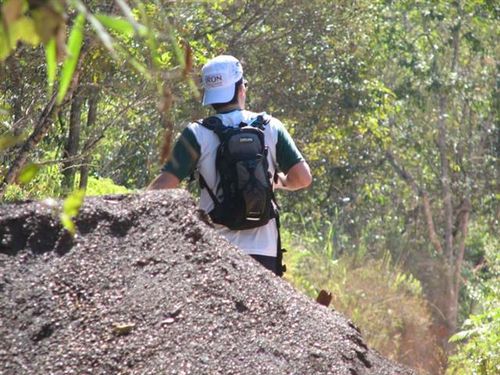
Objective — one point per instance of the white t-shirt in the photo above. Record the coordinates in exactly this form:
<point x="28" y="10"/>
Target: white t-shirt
<point x="199" y="152"/>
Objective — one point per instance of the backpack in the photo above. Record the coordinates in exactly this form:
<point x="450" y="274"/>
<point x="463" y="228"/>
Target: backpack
<point x="244" y="197"/>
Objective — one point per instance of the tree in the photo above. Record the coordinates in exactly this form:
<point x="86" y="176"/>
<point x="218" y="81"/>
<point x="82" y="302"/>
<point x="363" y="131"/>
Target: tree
<point x="121" y="38"/>
<point x="443" y="76"/>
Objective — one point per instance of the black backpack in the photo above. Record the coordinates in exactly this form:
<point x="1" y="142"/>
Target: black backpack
<point x="244" y="197"/>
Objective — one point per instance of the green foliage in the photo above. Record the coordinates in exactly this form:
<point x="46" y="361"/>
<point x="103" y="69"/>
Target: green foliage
<point x="41" y="181"/>
<point x="478" y="341"/>
<point x="147" y="50"/>
<point x="16" y="26"/>
<point x="23" y="21"/>
<point x="71" y="207"/>
<point x="386" y="303"/>
<point x="28" y="173"/>
<point x="482" y="268"/>
<point x="74" y="46"/>
<point x="104" y="186"/>
<point x="121" y="25"/>
<point x="479" y="350"/>
<point x="8" y="140"/>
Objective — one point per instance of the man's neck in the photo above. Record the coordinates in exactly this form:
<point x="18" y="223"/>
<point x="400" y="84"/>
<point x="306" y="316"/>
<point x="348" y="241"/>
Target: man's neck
<point x="230" y="108"/>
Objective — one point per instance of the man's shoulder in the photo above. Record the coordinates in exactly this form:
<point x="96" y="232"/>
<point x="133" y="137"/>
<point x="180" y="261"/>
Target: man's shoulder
<point x="195" y="123"/>
<point x="196" y="126"/>
<point x="193" y="133"/>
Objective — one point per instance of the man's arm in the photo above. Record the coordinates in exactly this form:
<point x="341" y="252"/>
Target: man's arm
<point x="165" y="180"/>
<point x="296" y="173"/>
<point x="180" y="164"/>
<point x="298" y="177"/>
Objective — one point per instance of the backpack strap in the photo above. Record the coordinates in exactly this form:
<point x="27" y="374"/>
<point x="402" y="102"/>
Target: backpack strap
<point x="211" y="123"/>
<point x="214" y="124"/>
<point x="261" y="121"/>
<point x="280" y="267"/>
<point x="203" y="185"/>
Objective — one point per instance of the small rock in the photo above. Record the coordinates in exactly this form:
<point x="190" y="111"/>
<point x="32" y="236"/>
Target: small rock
<point x="121" y="329"/>
<point x="167" y="321"/>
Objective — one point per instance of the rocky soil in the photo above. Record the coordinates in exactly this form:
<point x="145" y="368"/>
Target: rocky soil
<point x="147" y="287"/>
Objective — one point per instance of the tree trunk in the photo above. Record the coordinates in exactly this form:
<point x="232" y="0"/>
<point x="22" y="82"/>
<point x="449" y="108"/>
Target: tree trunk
<point x="453" y="256"/>
<point x="446" y="267"/>
<point x="449" y="300"/>
<point x="84" y="174"/>
<point x="91" y="118"/>
<point x="73" y="141"/>
<point x="17" y="87"/>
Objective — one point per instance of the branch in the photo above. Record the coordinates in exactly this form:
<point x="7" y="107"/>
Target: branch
<point x="92" y="142"/>
<point x="41" y="128"/>
<point x="408" y="178"/>
<point x="18" y="126"/>
<point x="252" y="20"/>
<point x="405" y="175"/>
<point x="463" y="228"/>
<point x="445" y="179"/>
<point x="430" y="223"/>
<point x="221" y="27"/>
<point x="64" y="160"/>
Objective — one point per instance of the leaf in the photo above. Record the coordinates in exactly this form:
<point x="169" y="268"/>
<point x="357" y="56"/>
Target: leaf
<point x="324" y="298"/>
<point x="460" y="336"/>
<point x="8" y="140"/>
<point x="12" y="11"/>
<point x="28" y="173"/>
<point x="4" y="44"/>
<point x="70" y="209"/>
<point x="103" y="35"/>
<point x="121" y="25"/>
<point x="51" y="57"/>
<point x="188" y="60"/>
<point x="23" y="29"/>
<point x="179" y="53"/>
<point x="117" y="24"/>
<point x="130" y="17"/>
<point x="74" y="46"/>
<point x="47" y="22"/>
<point x="140" y="67"/>
<point x="73" y="202"/>
<point x="150" y="37"/>
<point x="67" y="223"/>
<point x="61" y="42"/>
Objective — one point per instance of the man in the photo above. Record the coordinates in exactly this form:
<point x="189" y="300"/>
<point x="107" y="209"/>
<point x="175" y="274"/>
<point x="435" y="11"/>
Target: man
<point x="225" y="90"/>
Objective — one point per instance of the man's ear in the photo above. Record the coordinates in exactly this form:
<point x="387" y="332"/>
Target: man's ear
<point x="241" y="92"/>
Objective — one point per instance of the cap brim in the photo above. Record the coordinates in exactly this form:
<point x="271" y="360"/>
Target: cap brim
<point x="218" y="95"/>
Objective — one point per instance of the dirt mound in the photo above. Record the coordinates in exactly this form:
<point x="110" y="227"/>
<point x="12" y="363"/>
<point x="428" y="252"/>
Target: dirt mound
<point x="147" y="287"/>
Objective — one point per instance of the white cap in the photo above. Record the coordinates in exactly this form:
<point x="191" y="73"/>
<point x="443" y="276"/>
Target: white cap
<point x="218" y="78"/>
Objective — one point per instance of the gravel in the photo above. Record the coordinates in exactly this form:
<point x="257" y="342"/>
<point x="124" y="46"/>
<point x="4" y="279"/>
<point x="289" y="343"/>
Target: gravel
<point x="146" y="286"/>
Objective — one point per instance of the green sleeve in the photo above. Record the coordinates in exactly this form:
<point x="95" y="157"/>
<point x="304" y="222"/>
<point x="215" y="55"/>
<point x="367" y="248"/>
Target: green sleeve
<point x="182" y="162"/>
<point x="287" y="153"/>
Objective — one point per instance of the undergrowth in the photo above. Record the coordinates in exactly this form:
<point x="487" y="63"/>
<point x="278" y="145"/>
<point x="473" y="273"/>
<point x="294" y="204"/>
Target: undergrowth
<point x="386" y="303"/>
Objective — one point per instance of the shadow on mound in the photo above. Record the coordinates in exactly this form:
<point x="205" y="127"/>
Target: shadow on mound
<point x="39" y="234"/>
<point x="147" y="287"/>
